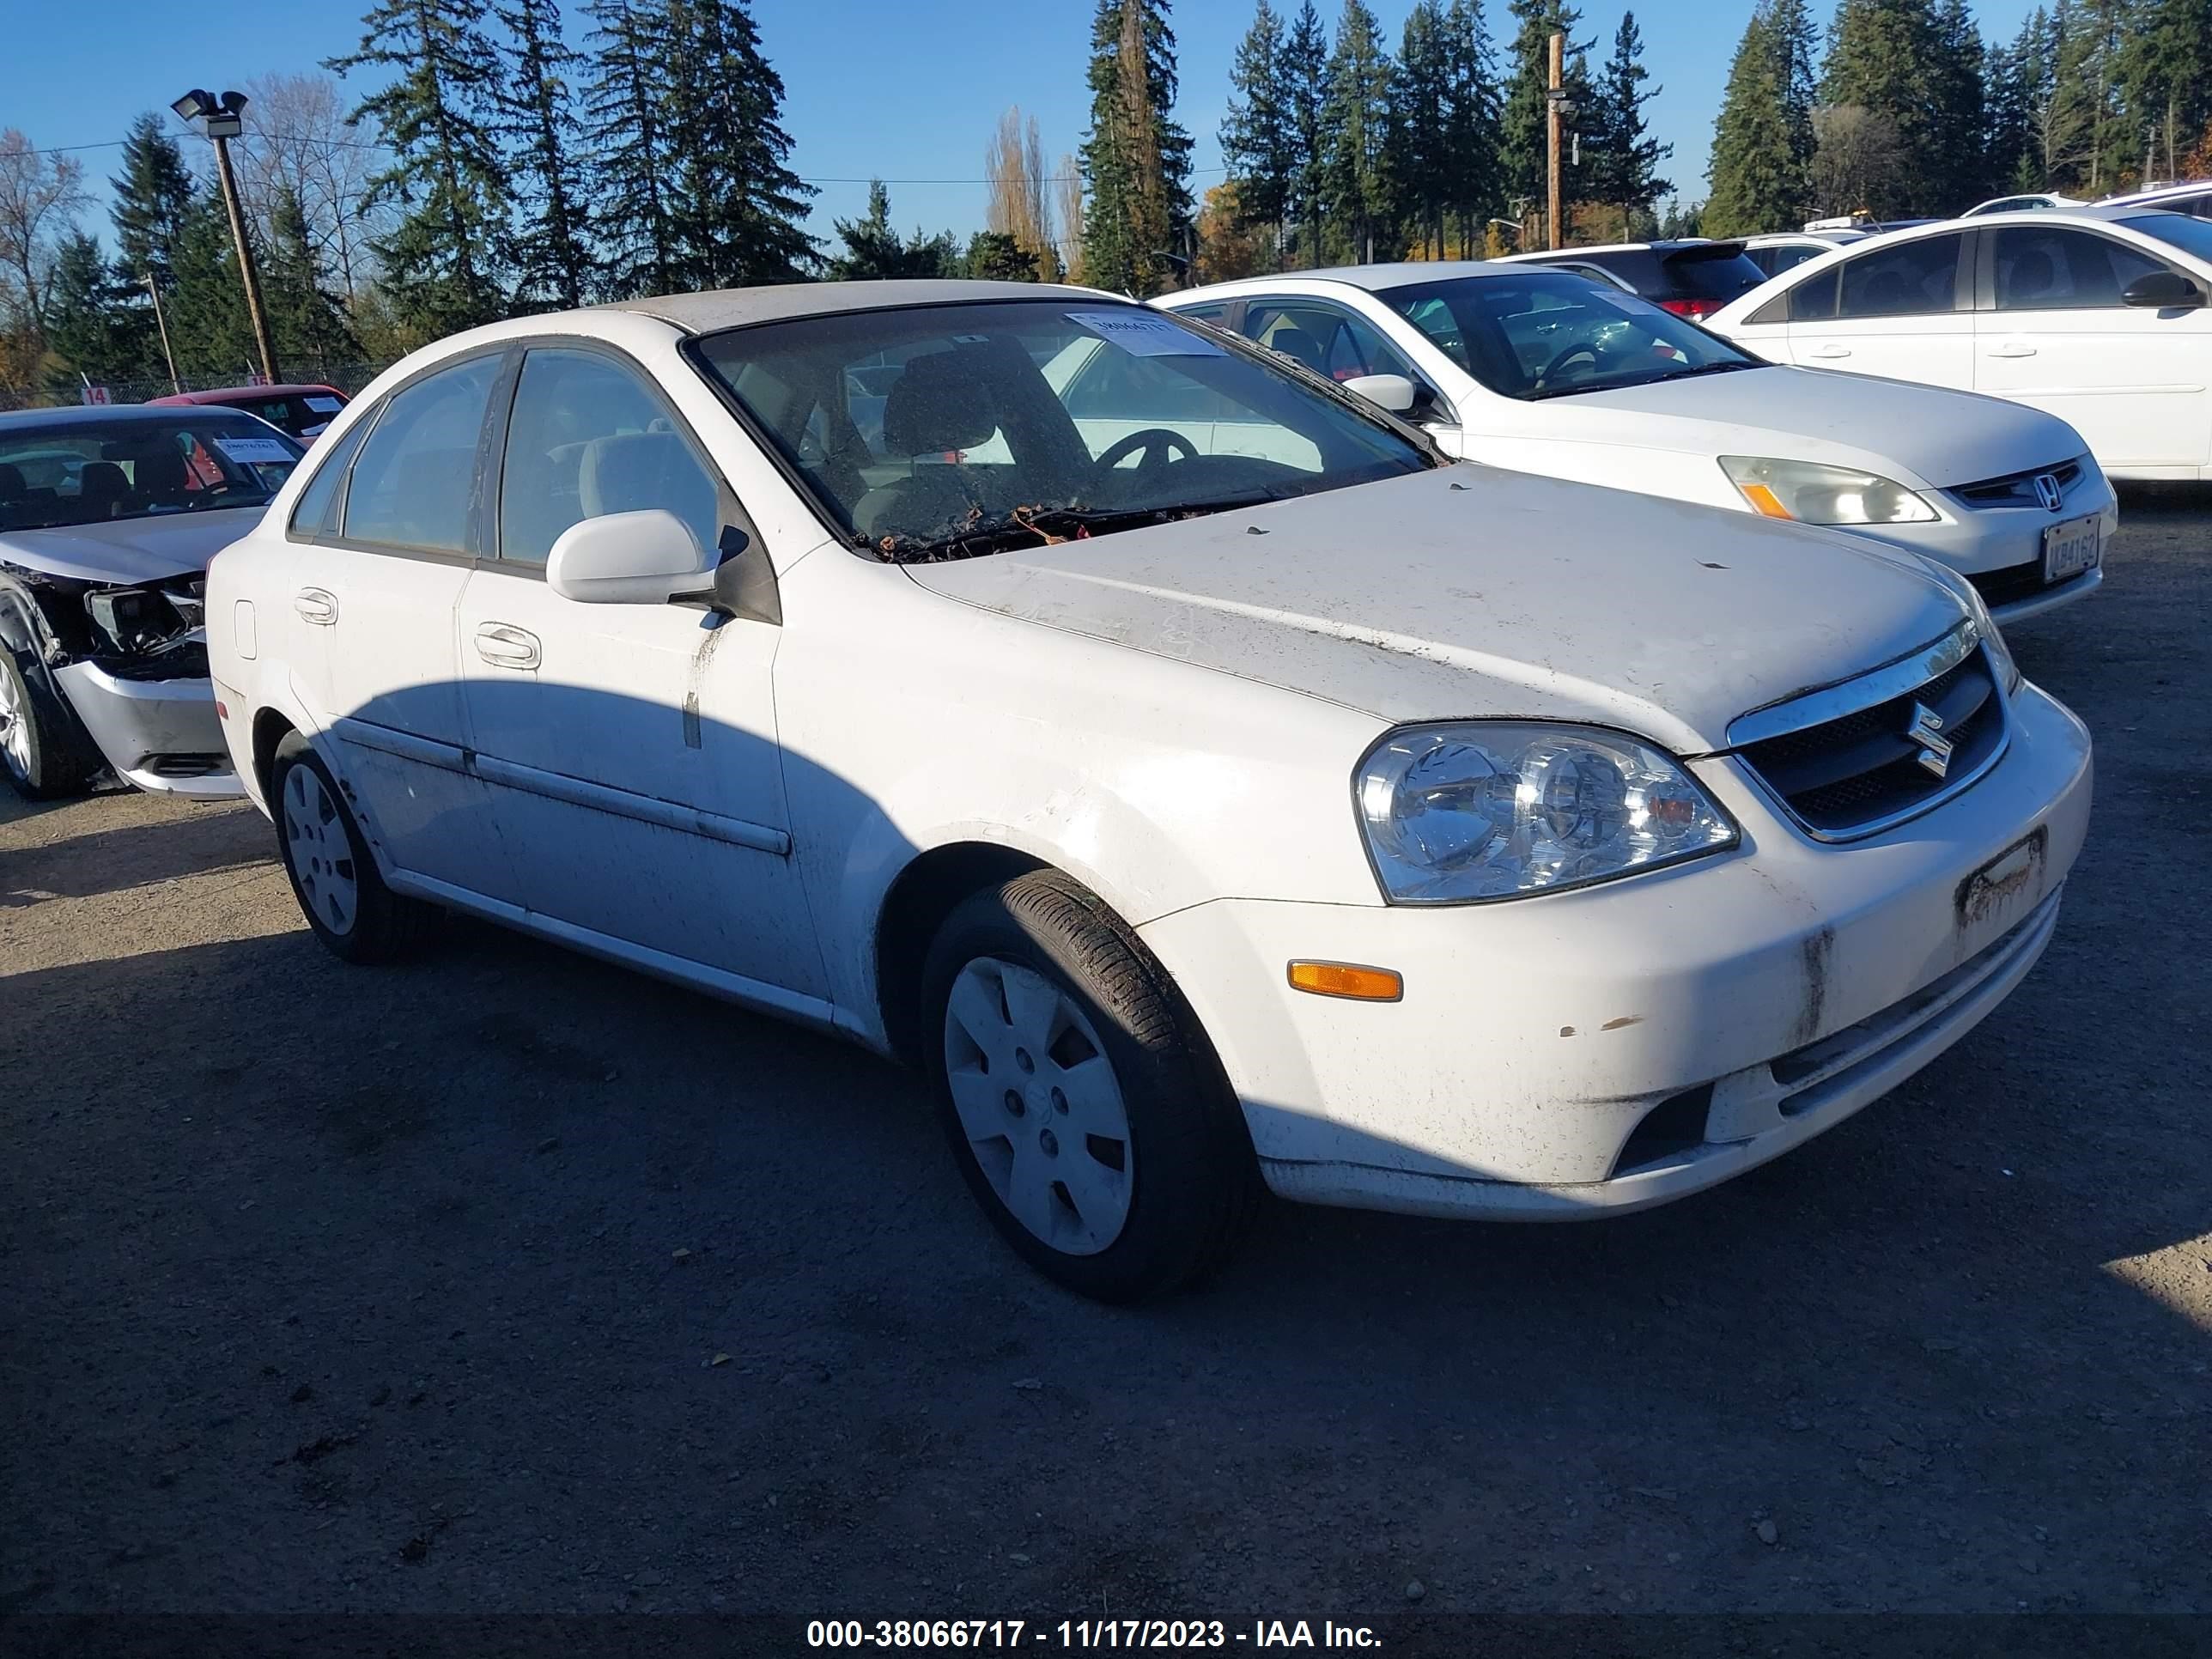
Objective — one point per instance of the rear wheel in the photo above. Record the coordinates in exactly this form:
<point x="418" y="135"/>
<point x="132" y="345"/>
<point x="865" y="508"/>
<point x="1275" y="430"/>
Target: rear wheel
<point x="333" y="875"/>
<point x="38" y="749"/>
<point x="1089" y="1116"/>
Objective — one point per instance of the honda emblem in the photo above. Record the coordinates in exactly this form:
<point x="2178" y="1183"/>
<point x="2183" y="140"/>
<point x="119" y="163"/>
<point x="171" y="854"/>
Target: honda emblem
<point x="2047" y="491"/>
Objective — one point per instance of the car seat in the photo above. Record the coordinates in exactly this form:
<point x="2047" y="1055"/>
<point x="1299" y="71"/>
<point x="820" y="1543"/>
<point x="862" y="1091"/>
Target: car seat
<point x="944" y="404"/>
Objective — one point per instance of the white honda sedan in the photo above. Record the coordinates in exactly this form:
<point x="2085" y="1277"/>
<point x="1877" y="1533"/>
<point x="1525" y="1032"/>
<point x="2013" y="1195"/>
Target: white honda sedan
<point x="2096" y="315"/>
<point x="1204" y="782"/>
<point x="1543" y="370"/>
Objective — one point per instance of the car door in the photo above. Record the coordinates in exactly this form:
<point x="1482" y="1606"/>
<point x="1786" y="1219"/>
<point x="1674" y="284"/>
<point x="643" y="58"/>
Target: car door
<point x="378" y="577"/>
<point x="1900" y="309"/>
<point x="2131" y="380"/>
<point x="631" y="749"/>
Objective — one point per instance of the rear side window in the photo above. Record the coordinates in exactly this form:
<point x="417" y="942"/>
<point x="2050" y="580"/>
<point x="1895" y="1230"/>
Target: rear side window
<point x="1912" y="279"/>
<point x="1711" y="274"/>
<point x="415" y="477"/>
<point x="1813" y="300"/>
<point x="316" y="511"/>
<point x="2054" y="270"/>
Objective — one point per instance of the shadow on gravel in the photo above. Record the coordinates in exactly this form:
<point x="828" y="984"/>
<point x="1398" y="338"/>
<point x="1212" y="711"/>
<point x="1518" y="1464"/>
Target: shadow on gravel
<point x="209" y="841"/>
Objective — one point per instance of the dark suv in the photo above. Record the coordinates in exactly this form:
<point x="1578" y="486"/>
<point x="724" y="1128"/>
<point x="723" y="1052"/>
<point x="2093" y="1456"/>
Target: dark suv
<point x="1692" y="279"/>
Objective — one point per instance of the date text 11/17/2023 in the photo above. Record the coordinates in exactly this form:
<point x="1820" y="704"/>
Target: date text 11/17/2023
<point x="1017" y="1633"/>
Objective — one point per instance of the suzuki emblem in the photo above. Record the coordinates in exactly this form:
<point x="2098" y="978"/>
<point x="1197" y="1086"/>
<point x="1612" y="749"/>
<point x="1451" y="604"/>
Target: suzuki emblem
<point x="1926" y="729"/>
<point x="2047" y="491"/>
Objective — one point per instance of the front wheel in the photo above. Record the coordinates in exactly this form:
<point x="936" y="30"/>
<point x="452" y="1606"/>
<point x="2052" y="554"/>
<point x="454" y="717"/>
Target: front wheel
<point x="1088" y="1112"/>
<point x="334" y="876"/>
<point x="37" y="748"/>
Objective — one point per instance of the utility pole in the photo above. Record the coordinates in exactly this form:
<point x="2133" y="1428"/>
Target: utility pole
<point x="162" y="324"/>
<point x="222" y="121"/>
<point x="1555" y="108"/>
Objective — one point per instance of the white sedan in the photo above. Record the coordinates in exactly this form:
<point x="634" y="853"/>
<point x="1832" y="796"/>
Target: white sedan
<point x="2096" y="315"/>
<point x="1245" y="797"/>
<point x="1540" y="370"/>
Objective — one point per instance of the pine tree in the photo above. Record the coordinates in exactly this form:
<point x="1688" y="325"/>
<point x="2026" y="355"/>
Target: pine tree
<point x="1888" y="58"/>
<point x="735" y="207"/>
<point x="208" y="326"/>
<point x="1257" y="141"/>
<point x="1420" y="149"/>
<point x="1304" y="96"/>
<point x="1623" y="172"/>
<point x="2090" y="141"/>
<point x="153" y="195"/>
<point x="1357" y="116"/>
<point x="2166" y="74"/>
<point x="1760" y="173"/>
<point x="626" y="129"/>
<point x="1525" y="134"/>
<point x="443" y="258"/>
<point x="98" y="325"/>
<point x="308" y="323"/>
<point x="1796" y="44"/>
<point x="875" y="252"/>
<point x="994" y="256"/>
<point x="1474" y="188"/>
<point x="1959" y="91"/>
<point x="1136" y="160"/>
<point x="551" y="238"/>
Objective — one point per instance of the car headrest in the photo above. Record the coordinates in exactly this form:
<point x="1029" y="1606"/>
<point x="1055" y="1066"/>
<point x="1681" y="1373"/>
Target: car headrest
<point x="942" y="401"/>
<point x="1297" y="345"/>
<point x="630" y="471"/>
<point x="101" y="484"/>
<point x="12" y="488"/>
<point x="2034" y="275"/>
<point x="157" y="474"/>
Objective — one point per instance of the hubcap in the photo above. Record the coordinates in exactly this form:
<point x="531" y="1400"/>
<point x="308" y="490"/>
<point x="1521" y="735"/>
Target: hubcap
<point x="1040" y="1105"/>
<point x="15" y="728"/>
<point x="316" y="847"/>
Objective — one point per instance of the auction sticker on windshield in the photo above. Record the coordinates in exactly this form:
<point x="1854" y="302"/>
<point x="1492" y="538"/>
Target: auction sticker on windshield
<point x="248" y="452"/>
<point x="1146" y="334"/>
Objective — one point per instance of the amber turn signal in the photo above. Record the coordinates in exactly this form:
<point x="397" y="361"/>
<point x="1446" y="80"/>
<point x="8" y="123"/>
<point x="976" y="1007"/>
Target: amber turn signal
<point x="1768" y="503"/>
<point x="1345" y="979"/>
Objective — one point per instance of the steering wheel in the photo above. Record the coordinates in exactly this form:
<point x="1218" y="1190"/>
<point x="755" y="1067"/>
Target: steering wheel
<point x="1154" y="442"/>
<point x="1581" y="348"/>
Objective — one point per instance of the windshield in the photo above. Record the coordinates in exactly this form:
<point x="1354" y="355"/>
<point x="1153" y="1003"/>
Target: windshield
<point x="947" y="431"/>
<point x="72" y="472"/>
<point x="1547" y="334"/>
<point x="2176" y="230"/>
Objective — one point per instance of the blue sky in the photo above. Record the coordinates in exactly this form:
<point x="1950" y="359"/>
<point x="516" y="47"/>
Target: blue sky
<point x="886" y="88"/>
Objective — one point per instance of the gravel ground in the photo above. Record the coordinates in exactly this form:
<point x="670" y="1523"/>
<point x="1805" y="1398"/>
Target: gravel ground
<point x="410" y="1289"/>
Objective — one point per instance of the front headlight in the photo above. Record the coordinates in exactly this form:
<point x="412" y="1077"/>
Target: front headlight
<point x="1489" y="809"/>
<point x="2008" y="671"/>
<point x="1811" y="494"/>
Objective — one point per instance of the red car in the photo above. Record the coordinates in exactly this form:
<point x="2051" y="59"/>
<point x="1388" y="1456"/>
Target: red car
<point x="301" y="410"/>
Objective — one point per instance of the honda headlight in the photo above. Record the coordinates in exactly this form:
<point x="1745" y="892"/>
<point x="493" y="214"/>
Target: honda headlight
<point x="1454" y="814"/>
<point x="1811" y="494"/>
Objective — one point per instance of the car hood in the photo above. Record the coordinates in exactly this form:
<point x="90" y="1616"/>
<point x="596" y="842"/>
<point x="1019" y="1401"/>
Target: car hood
<point x="129" y="549"/>
<point x="1467" y="593"/>
<point x="1922" y="435"/>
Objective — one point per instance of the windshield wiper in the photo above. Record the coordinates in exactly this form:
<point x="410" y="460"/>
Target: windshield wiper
<point x="1048" y="526"/>
<point x="1726" y="365"/>
<point x="1721" y="368"/>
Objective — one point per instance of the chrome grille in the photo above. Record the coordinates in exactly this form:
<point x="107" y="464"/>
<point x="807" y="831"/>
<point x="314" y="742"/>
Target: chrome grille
<point x="2018" y="489"/>
<point x="1845" y="763"/>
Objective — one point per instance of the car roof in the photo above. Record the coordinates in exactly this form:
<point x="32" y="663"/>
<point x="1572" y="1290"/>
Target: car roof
<point x="1544" y="255"/>
<point x="1375" y="278"/>
<point x="68" y="415"/>
<point x="223" y="394"/>
<point x="2151" y="197"/>
<point x="736" y="307"/>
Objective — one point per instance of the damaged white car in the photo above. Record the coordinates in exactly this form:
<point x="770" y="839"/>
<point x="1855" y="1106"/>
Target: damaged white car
<point x="108" y="517"/>
<point x="1201" y="779"/>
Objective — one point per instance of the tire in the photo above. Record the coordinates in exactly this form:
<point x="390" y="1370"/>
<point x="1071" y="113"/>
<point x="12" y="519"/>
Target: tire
<point x="333" y="875"/>
<point x="1026" y="985"/>
<point x="39" y="750"/>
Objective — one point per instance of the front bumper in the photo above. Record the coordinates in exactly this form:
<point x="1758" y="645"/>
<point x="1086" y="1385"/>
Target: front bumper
<point x="158" y="735"/>
<point x="1741" y="1003"/>
<point x="2000" y="548"/>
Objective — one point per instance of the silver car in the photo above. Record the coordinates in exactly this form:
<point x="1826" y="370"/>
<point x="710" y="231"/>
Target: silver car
<point x="108" y="517"/>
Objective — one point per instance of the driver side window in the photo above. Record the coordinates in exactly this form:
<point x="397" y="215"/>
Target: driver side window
<point x="1325" y="338"/>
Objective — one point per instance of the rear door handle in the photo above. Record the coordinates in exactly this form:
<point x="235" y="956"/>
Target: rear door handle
<point x="1829" y="351"/>
<point x="317" y="606"/>
<point x="2013" y="348"/>
<point x="506" y="646"/>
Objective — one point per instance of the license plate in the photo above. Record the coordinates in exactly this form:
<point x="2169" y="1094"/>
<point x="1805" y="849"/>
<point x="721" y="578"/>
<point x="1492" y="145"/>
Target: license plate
<point x="2071" y="547"/>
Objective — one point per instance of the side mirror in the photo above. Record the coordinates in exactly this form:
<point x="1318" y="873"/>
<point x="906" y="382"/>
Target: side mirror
<point x="627" y="558"/>
<point x="2163" y="290"/>
<point x="1392" y="392"/>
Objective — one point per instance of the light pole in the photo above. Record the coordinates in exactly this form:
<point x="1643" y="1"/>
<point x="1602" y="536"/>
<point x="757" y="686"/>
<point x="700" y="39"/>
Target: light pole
<point x="220" y="121"/>
<point x="162" y="323"/>
<point x="1557" y="108"/>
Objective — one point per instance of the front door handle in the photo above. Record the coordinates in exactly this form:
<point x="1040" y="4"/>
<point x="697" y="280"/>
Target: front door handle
<point x="317" y="606"/>
<point x="1829" y="351"/>
<point x="504" y="647"/>
<point x="2013" y="348"/>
